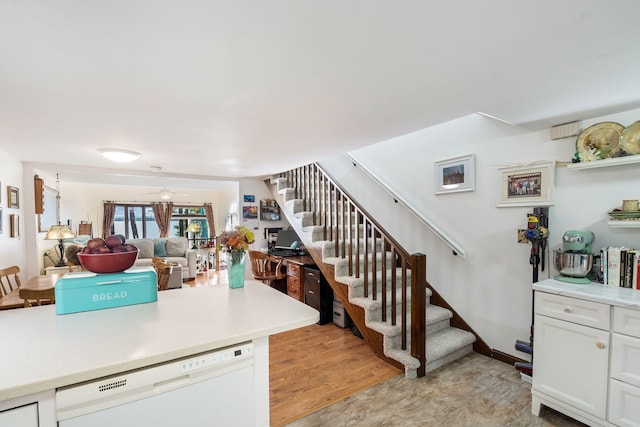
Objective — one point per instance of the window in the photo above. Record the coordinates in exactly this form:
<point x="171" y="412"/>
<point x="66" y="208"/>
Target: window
<point x="133" y="224"/>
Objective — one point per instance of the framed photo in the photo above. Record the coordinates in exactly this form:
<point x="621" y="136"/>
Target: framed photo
<point x="249" y="198"/>
<point x="456" y="175"/>
<point x="527" y="185"/>
<point x="13" y="197"/>
<point x="15" y="225"/>
<point x="249" y="212"/>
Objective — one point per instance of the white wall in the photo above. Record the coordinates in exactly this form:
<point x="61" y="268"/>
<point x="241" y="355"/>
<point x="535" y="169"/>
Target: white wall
<point x="12" y="250"/>
<point x="260" y="190"/>
<point x="491" y="289"/>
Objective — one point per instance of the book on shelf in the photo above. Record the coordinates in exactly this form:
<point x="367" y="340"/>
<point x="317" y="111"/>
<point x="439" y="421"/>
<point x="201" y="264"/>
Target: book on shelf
<point x="620" y="267"/>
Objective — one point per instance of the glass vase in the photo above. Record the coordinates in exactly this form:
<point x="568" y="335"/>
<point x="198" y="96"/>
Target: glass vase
<point x="235" y="269"/>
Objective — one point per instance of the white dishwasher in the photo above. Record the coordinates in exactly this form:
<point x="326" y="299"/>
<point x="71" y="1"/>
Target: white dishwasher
<point x="210" y="389"/>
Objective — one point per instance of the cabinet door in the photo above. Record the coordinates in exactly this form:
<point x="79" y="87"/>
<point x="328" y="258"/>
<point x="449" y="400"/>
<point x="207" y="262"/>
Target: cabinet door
<point x="624" y="404"/>
<point x="24" y="416"/>
<point x="570" y="363"/>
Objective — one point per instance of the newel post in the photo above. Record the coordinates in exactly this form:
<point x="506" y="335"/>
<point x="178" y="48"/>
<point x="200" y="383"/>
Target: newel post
<point x="418" y="309"/>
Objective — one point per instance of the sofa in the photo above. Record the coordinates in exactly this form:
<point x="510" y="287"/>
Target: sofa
<point x="172" y="249"/>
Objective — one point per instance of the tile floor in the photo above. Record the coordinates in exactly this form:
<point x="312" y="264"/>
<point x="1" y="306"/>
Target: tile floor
<point x="473" y="391"/>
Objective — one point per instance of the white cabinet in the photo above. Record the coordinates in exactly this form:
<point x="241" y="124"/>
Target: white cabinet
<point x="23" y="416"/>
<point x="624" y="394"/>
<point x="35" y="410"/>
<point x="571" y="354"/>
<point x="586" y="360"/>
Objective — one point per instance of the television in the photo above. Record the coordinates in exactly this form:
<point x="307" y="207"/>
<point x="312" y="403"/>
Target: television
<point x="285" y="239"/>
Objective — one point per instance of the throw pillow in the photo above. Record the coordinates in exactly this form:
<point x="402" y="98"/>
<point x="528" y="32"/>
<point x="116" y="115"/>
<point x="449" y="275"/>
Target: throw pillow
<point x="176" y="246"/>
<point x="145" y="247"/>
<point x="159" y="248"/>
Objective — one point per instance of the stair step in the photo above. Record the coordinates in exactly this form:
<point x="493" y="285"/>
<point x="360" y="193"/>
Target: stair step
<point x="447" y="345"/>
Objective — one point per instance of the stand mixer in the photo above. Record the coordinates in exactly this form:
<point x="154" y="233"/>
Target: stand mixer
<point x="575" y="260"/>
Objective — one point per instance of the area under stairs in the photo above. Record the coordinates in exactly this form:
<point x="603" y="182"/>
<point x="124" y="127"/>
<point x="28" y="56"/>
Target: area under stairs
<point x="443" y="343"/>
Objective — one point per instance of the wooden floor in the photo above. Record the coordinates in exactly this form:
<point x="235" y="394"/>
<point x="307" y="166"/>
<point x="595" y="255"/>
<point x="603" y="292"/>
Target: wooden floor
<point x="315" y="366"/>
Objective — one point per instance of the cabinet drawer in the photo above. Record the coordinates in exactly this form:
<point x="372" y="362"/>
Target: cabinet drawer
<point x="582" y="312"/>
<point x="294" y="270"/>
<point x="293" y="288"/>
<point x="624" y="404"/>
<point x="625" y="354"/>
<point x="626" y="321"/>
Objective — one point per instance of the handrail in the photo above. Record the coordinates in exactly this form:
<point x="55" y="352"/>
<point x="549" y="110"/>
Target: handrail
<point x="457" y="249"/>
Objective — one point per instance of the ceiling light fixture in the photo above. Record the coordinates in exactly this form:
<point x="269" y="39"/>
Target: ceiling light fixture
<point x="165" y="194"/>
<point x="118" y="155"/>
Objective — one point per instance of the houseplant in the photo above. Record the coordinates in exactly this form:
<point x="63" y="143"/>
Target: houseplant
<point x="235" y="244"/>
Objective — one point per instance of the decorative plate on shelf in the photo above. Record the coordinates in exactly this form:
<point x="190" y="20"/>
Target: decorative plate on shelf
<point x="630" y="139"/>
<point x="601" y="138"/>
<point x="620" y="214"/>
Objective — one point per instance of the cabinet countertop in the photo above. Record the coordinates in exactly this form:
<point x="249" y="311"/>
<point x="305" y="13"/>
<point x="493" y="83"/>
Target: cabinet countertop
<point x="612" y="295"/>
<point x="43" y="351"/>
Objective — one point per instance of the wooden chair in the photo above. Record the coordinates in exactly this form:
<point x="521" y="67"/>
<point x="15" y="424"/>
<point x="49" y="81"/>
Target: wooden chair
<point x="266" y="268"/>
<point x="163" y="270"/>
<point x="10" y="287"/>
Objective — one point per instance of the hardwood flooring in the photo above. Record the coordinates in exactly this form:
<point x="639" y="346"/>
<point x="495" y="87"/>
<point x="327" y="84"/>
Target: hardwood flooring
<point x="315" y="366"/>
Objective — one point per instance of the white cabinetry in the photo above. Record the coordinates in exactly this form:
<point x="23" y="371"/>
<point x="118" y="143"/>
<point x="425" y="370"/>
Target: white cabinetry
<point x="36" y="410"/>
<point x="571" y="356"/>
<point x="624" y="393"/>
<point x="587" y="353"/>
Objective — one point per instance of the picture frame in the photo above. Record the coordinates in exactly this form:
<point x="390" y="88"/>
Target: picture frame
<point x="14" y="220"/>
<point x="249" y="212"/>
<point x="13" y="197"/>
<point x="249" y="198"/>
<point x="456" y="175"/>
<point x="50" y="212"/>
<point x="526" y="185"/>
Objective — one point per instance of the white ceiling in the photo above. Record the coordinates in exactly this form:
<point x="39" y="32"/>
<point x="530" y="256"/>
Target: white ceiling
<point x="238" y="88"/>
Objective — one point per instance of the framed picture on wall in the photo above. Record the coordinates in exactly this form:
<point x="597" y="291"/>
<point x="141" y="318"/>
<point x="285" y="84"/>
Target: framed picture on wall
<point x="527" y="185"/>
<point x="15" y="225"/>
<point x="13" y="197"/>
<point x="249" y="198"/>
<point x="456" y="175"/>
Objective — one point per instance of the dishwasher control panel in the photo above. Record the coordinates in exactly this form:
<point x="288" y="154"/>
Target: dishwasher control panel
<point x="221" y="356"/>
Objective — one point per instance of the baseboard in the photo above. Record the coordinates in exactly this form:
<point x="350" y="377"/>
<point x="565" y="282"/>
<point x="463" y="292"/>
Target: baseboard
<point x="506" y="358"/>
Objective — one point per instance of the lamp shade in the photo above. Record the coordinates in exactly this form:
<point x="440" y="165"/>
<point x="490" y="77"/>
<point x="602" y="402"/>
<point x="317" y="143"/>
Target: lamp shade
<point x="59" y="232"/>
<point x="194" y="227"/>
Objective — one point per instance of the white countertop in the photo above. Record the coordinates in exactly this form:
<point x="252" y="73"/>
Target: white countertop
<point x="42" y="351"/>
<point x="612" y="295"/>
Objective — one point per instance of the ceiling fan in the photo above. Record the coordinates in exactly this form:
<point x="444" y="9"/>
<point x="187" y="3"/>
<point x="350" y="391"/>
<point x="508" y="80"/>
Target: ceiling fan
<point x="164" y="193"/>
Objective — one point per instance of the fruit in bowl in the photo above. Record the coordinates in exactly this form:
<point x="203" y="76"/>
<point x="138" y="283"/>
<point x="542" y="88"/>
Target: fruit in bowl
<point x="110" y="255"/>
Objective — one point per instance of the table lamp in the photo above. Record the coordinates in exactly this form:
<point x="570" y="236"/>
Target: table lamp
<point x="60" y="232"/>
<point x="194" y="228"/>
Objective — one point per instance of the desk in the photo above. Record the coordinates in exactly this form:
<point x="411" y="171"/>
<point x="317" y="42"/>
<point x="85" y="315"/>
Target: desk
<point x="295" y="274"/>
<point x="39" y="288"/>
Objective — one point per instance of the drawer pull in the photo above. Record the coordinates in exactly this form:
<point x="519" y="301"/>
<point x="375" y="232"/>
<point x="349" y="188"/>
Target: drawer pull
<point x="311" y="292"/>
<point x="600" y="345"/>
<point x="568" y="309"/>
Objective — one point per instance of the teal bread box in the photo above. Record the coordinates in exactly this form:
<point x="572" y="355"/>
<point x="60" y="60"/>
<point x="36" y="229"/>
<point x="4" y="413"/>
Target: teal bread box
<point x="85" y="291"/>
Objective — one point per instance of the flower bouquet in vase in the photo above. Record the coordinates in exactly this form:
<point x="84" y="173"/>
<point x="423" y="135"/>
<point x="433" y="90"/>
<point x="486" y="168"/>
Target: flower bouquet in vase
<point x="235" y="245"/>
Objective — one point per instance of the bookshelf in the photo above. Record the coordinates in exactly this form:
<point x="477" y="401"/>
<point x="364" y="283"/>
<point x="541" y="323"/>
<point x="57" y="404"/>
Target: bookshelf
<point x="269" y="210"/>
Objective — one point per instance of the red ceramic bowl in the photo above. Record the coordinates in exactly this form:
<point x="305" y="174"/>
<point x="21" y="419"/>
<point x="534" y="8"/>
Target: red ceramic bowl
<point x="108" y="263"/>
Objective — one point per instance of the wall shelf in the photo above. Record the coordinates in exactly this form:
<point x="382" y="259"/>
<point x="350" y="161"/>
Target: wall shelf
<point x="624" y="224"/>
<point x="616" y="161"/>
